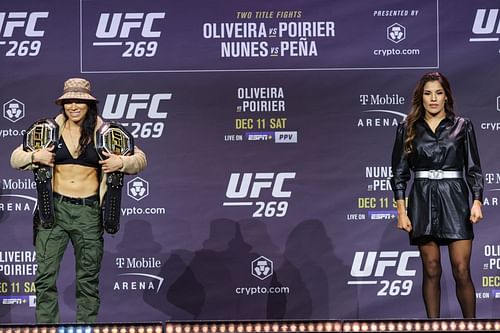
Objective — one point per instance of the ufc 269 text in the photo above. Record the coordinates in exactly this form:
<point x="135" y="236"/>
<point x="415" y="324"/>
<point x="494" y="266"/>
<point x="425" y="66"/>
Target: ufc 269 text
<point x="389" y="270"/>
<point x="264" y="190"/>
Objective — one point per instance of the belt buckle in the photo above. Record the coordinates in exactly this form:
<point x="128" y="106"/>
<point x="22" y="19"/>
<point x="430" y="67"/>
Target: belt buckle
<point x="74" y="201"/>
<point x="87" y="202"/>
<point x="436" y="174"/>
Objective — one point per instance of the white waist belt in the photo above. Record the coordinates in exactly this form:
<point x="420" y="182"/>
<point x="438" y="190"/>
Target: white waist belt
<point x="438" y="174"/>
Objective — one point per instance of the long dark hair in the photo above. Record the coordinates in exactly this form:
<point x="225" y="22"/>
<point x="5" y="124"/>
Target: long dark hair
<point x="417" y="109"/>
<point x="88" y="125"/>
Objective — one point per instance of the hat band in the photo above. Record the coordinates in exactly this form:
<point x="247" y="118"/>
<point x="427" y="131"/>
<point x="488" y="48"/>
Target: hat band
<point x="76" y="89"/>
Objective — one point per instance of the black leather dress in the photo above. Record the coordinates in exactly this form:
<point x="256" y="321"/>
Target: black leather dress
<point x="438" y="208"/>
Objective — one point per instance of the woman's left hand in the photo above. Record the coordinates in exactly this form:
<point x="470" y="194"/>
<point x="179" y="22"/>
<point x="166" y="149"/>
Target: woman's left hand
<point x="476" y="213"/>
<point x="112" y="162"/>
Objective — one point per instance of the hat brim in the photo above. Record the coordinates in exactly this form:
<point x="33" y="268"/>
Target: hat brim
<point x="75" y="95"/>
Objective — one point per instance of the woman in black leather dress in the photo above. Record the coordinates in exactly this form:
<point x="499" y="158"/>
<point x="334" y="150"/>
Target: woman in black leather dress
<point x="440" y="148"/>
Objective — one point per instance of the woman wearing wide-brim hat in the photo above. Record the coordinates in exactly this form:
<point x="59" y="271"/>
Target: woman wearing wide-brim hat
<point x="79" y="186"/>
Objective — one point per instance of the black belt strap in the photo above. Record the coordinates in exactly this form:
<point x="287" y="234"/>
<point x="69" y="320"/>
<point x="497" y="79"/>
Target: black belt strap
<point x="88" y="201"/>
<point x="43" y="180"/>
<point x="42" y="134"/>
<point x="112" y="202"/>
<point x="36" y="223"/>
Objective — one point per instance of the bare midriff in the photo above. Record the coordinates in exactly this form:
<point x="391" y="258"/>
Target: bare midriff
<point x="75" y="180"/>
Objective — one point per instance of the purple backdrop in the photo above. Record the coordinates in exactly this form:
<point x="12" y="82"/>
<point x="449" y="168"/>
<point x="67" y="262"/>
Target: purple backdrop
<point x="268" y="127"/>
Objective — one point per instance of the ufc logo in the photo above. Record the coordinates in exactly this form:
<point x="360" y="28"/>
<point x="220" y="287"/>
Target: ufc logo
<point x="118" y="141"/>
<point x="39" y="135"/>
<point x="485" y="24"/>
<point x="121" y="25"/>
<point x="380" y="261"/>
<point x="21" y="20"/>
<point x="251" y="185"/>
<point x="128" y="105"/>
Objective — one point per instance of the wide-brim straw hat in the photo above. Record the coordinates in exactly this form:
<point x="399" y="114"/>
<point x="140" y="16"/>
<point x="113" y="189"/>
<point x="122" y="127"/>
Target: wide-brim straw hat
<point x="76" y="88"/>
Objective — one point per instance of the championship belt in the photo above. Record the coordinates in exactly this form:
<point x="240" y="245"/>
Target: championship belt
<point x="114" y="139"/>
<point x="43" y="134"/>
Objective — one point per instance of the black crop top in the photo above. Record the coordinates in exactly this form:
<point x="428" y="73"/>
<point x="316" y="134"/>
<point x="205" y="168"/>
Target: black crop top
<point x="88" y="157"/>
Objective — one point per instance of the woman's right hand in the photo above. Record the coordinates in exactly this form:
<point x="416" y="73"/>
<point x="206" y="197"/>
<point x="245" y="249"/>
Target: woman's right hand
<point x="404" y="222"/>
<point x="44" y="156"/>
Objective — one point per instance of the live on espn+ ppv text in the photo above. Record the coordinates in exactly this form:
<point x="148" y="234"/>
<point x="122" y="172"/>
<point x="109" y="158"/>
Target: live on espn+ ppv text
<point x="268" y="128"/>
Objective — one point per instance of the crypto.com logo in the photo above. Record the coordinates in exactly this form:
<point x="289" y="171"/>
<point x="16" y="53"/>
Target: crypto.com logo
<point x="13" y="110"/>
<point x="138" y="188"/>
<point x="262" y="268"/>
<point x="396" y="33"/>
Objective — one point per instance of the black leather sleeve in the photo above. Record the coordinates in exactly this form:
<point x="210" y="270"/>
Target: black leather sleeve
<point x="473" y="171"/>
<point x="400" y="166"/>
